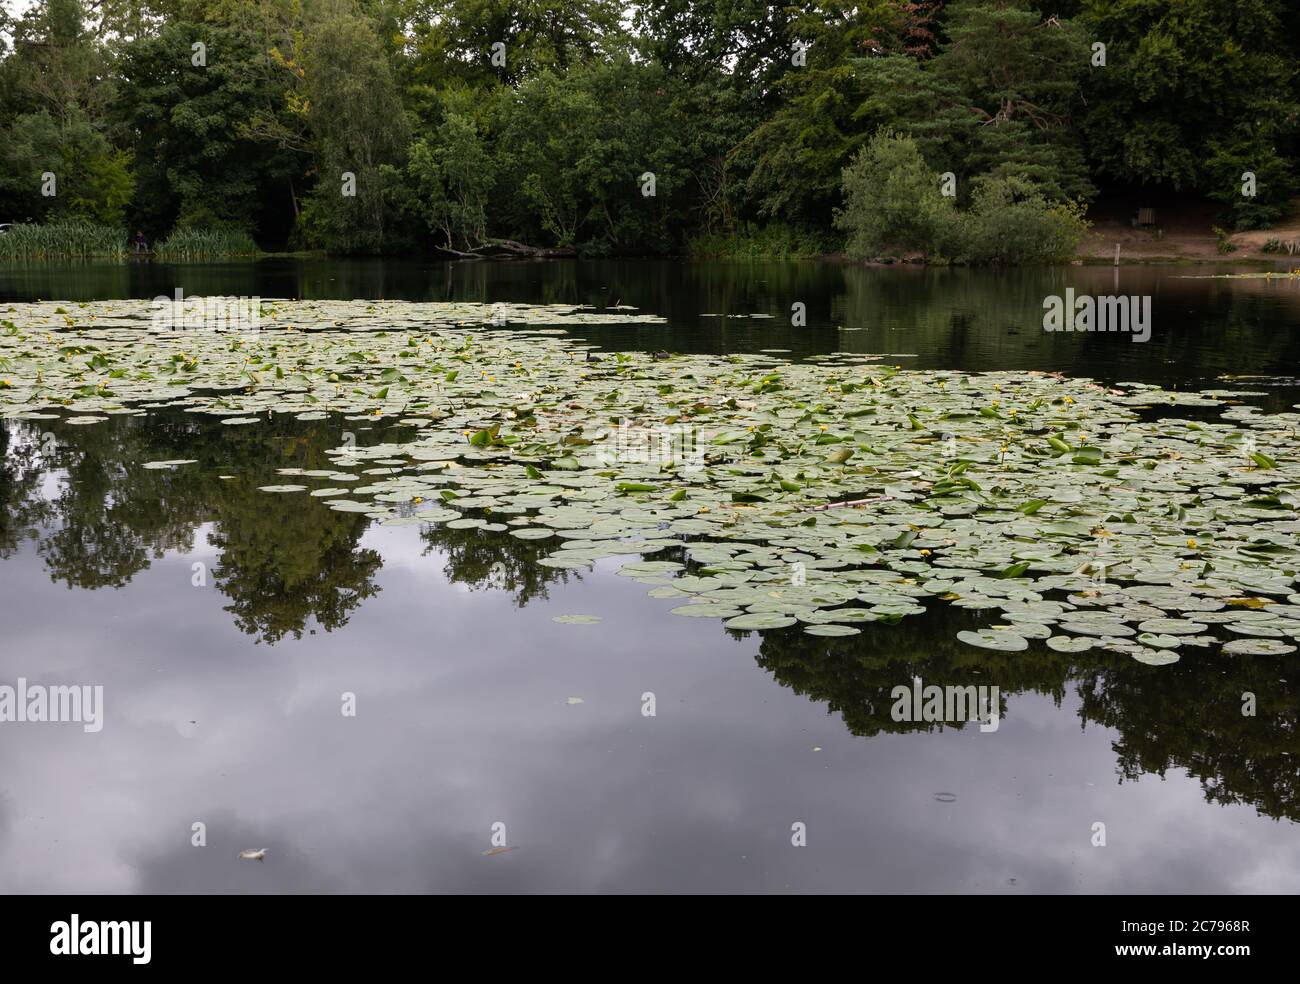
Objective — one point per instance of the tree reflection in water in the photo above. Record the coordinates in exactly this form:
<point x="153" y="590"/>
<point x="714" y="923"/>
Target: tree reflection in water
<point x="98" y="518"/>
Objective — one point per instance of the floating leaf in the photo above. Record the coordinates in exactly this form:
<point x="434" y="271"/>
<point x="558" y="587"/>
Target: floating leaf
<point x="832" y="630"/>
<point x="760" y="620"/>
<point x="1070" y="644"/>
<point x="1258" y="647"/>
<point x="1154" y="657"/>
<point x="1002" y="640"/>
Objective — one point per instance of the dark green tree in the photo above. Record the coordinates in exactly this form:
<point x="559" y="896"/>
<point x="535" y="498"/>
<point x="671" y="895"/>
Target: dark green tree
<point x="197" y="164"/>
<point x="1194" y="94"/>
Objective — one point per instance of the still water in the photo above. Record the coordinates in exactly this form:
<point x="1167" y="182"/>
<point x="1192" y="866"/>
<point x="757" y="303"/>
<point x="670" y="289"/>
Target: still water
<point x="227" y="625"/>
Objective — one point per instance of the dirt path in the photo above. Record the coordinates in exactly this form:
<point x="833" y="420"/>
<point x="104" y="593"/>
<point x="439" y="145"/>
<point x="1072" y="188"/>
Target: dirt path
<point x="1189" y="238"/>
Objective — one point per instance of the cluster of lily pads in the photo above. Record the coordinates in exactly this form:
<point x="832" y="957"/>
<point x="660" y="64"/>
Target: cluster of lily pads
<point x="825" y="492"/>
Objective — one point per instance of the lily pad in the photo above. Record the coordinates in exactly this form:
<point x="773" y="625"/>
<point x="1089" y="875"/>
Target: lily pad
<point x="1258" y="647"/>
<point x="1070" y="644"/>
<point x="159" y="465"/>
<point x="831" y="630"/>
<point x="1003" y="640"/>
<point x="1154" y="657"/>
<point x="760" y="620"/>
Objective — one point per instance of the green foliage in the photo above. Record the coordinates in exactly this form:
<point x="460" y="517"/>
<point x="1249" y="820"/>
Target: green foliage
<point x="91" y="179"/>
<point x="1011" y="222"/>
<point x="356" y="122"/>
<point x="58" y="66"/>
<point x="1013" y="62"/>
<point x="1289" y="246"/>
<point x="998" y="97"/>
<point x="754" y="242"/>
<point x="795" y="155"/>
<point x="456" y="37"/>
<point x="697" y="39"/>
<point x="1249" y="152"/>
<point x="62" y="240"/>
<point x="894" y="204"/>
<point x="446" y="182"/>
<point x="794" y="158"/>
<point x="578" y="147"/>
<point x="206" y="244"/>
<point x="197" y="163"/>
<point x="1194" y="94"/>
<point x="1224" y="242"/>
<point x="746" y="113"/>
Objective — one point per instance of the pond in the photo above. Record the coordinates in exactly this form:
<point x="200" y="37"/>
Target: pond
<point x="390" y="705"/>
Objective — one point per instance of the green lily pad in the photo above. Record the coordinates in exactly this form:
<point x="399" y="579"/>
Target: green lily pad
<point x="1070" y="644"/>
<point x="819" y="489"/>
<point x="1171" y="626"/>
<point x="831" y="630"/>
<point x="532" y="533"/>
<point x="1155" y="641"/>
<point x="1003" y="640"/>
<point x="759" y="620"/>
<point x="1154" y="657"/>
<point x="1258" y="647"/>
<point x="707" y="611"/>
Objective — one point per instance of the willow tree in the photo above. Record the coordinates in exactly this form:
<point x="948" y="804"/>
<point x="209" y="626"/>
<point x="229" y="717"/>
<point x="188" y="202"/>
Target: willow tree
<point x="353" y="112"/>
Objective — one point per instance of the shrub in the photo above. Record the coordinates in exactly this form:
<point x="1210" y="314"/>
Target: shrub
<point x="1225" y="244"/>
<point x="1010" y="223"/>
<point x="893" y="201"/>
<point x="894" y="204"/>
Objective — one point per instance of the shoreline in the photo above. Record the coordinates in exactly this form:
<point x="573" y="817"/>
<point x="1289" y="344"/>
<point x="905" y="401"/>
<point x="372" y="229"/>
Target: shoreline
<point x="1288" y="262"/>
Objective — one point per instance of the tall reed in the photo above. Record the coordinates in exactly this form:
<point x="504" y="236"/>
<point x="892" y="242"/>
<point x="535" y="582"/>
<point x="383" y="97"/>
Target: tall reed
<point x="206" y="244"/>
<point x="62" y="240"/>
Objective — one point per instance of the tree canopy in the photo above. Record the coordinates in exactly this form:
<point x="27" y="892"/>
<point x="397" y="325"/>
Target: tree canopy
<point x="369" y="126"/>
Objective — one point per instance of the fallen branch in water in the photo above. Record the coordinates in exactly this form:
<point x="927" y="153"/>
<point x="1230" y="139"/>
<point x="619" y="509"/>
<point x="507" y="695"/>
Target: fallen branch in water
<point x="459" y="254"/>
<point x="507" y="249"/>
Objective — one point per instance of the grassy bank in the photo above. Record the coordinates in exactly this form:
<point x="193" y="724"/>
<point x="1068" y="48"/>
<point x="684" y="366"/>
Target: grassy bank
<point x="62" y="240"/>
<point x="757" y="243"/>
<point x="206" y="244"/>
<point x="85" y="240"/>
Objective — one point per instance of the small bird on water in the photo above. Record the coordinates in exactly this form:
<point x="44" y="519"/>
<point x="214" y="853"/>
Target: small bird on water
<point x="251" y="855"/>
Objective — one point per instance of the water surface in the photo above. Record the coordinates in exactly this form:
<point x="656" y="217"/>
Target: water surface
<point x="226" y="625"/>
